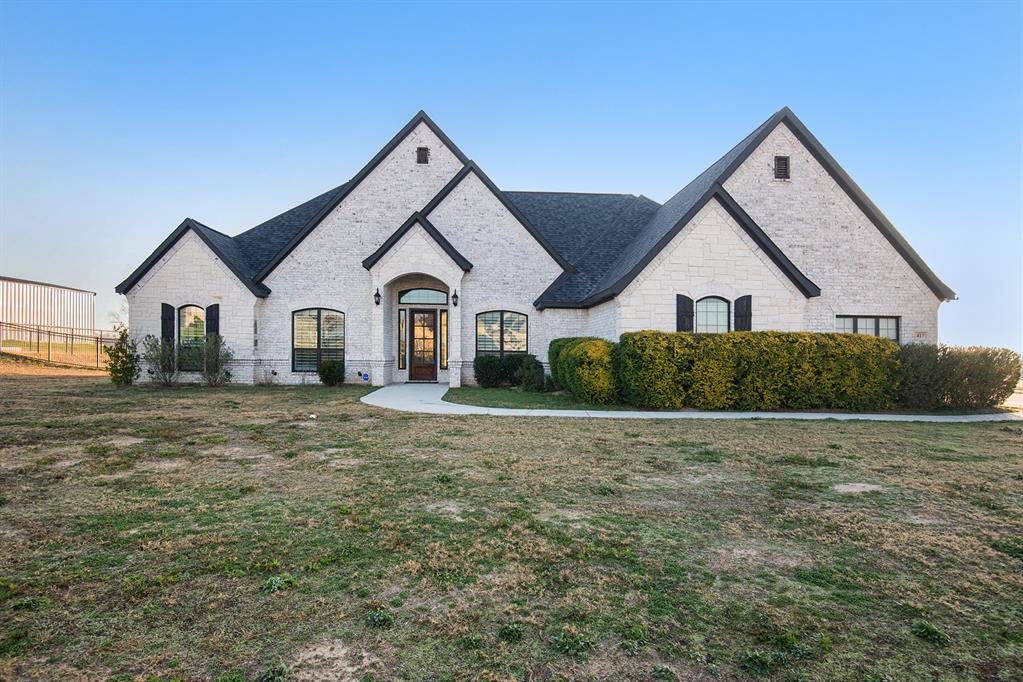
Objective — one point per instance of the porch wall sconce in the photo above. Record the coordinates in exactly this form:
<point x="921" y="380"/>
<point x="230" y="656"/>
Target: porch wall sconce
<point x="454" y="298"/>
<point x="376" y="297"/>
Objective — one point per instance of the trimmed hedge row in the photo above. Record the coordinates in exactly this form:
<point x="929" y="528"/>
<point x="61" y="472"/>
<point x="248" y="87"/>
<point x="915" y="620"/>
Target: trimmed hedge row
<point x="780" y="370"/>
<point x="756" y="371"/>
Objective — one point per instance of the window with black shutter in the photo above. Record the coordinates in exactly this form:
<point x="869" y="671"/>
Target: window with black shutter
<point x="423" y="155"/>
<point x="744" y="313"/>
<point x="781" y="168"/>
<point x="683" y="313"/>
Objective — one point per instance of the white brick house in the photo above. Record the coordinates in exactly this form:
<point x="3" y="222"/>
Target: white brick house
<point x="419" y="262"/>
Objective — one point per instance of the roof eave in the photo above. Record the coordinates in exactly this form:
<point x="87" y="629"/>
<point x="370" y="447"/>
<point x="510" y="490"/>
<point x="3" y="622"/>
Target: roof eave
<point x="418" y="218"/>
<point x="258" y="289"/>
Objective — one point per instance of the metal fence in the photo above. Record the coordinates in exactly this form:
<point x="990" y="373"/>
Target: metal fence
<point x="58" y="345"/>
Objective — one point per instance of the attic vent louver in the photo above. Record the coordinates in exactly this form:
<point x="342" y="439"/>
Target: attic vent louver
<point x="781" y="168"/>
<point x="423" y="155"/>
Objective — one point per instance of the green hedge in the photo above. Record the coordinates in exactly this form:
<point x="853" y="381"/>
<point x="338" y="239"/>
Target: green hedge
<point x="756" y="371"/>
<point x="586" y="371"/>
<point x="780" y="370"/>
<point x="554" y="352"/>
<point x="948" y="376"/>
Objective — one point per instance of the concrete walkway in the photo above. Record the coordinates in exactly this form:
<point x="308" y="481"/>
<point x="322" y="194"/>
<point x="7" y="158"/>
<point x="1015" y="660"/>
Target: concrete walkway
<point x="429" y="399"/>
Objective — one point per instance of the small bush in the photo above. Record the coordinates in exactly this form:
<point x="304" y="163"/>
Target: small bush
<point x="217" y="356"/>
<point x="958" y="377"/>
<point x="332" y="372"/>
<point x="488" y="371"/>
<point x="158" y="355"/>
<point x="586" y="371"/>
<point x="530" y="375"/>
<point x="510" y="365"/>
<point x="123" y="360"/>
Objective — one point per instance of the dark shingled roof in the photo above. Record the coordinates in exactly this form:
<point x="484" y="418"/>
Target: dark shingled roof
<point x="262" y="243"/>
<point x="603" y="241"/>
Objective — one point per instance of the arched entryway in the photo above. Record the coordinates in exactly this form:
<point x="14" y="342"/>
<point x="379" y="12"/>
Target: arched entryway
<point x="420" y="311"/>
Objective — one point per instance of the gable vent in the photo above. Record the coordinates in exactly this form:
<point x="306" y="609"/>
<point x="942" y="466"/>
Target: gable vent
<point x="781" y="168"/>
<point x="423" y="155"/>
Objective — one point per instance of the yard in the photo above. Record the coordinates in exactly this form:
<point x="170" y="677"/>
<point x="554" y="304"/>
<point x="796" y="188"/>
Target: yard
<point x="225" y="534"/>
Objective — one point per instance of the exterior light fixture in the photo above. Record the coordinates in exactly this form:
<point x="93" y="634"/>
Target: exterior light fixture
<point x="376" y="297"/>
<point x="454" y="298"/>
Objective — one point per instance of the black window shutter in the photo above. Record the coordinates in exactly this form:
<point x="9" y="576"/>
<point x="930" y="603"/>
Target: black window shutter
<point x="744" y="313"/>
<point x="213" y="319"/>
<point x="167" y="322"/>
<point x="683" y="313"/>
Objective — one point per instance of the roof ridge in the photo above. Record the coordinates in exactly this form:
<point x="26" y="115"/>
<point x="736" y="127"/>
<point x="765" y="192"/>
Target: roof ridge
<point x="589" y="194"/>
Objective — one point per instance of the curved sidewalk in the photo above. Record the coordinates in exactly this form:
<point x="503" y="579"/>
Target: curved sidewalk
<point x="429" y="399"/>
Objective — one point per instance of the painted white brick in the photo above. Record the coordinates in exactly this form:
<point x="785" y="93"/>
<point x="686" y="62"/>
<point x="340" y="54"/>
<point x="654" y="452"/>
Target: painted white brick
<point x="831" y="241"/>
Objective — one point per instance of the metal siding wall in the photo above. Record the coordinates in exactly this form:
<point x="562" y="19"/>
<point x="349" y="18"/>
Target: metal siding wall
<point x="41" y="305"/>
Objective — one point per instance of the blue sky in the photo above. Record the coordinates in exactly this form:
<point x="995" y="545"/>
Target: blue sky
<point x="118" y="120"/>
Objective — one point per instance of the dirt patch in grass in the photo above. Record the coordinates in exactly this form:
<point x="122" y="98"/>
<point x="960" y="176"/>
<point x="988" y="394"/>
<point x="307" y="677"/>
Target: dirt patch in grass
<point x="381" y="545"/>
<point x="332" y="661"/>
<point x="856" y="488"/>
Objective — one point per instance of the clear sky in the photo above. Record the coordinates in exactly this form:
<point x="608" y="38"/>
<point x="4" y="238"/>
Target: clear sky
<point x="118" y="120"/>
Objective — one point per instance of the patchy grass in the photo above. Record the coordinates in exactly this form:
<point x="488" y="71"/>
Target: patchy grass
<point x="562" y="400"/>
<point x="517" y="398"/>
<point x="222" y="534"/>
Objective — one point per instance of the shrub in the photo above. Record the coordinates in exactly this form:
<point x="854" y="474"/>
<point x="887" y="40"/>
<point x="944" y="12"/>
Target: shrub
<point x="586" y="371"/>
<point x="510" y="365"/>
<point x="123" y="360"/>
<point x="488" y="370"/>
<point x="554" y="352"/>
<point x="332" y="372"/>
<point x="216" y="358"/>
<point x="159" y="356"/>
<point x="530" y="375"/>
<point x="929" y="632"/>
<point x="949" y="376"/>
<point x="756" y="370"/>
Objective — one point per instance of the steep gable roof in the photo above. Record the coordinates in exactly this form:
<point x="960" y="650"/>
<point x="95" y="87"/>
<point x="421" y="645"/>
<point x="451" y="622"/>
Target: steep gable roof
<point x="677" y="211"/>
<point x="222" y="246"/>
<point x="601" y="241"/>
<point x="418" y="218"/>
<point x="347" y="188"/>
<point x="471" y="167"/>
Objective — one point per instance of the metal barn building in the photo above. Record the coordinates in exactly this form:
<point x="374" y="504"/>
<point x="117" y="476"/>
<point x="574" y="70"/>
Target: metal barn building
<point x="47" y="306"/>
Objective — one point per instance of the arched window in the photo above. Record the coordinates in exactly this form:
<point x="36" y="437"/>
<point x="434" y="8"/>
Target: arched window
<point x="422" y="297"/>
<point x="712" y="315"/>
<point x="501" y="331"/>
<point x="317" y="334"/>
<point x="191" y="335"/>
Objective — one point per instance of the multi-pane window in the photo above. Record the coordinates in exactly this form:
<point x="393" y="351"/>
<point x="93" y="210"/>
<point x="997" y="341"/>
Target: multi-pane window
<point x="443" y="339"/>
<point x="422" y="297"/>
<point x="317" y="334"/>
<point x="402" y="338"/>
<point x="191" y="335"/>
<point x="712" y="315"/>
<point x="422" y="155"/>
<point x="500" y="332"/>
<point x="887" y="327"/>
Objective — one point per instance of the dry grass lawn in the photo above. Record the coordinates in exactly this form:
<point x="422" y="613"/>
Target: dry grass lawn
<point x="223" y="534"/>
